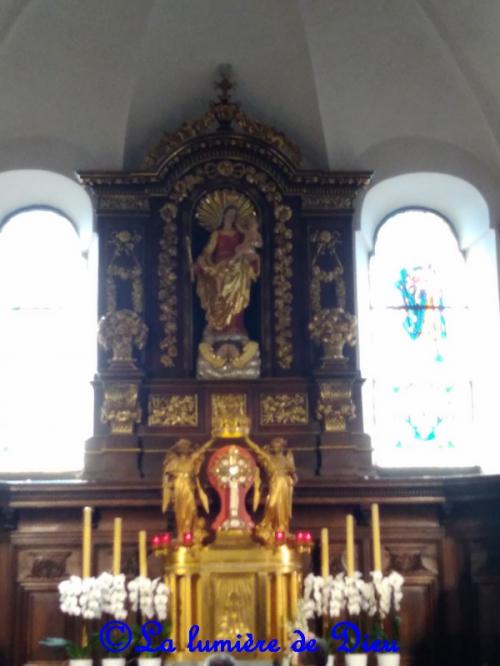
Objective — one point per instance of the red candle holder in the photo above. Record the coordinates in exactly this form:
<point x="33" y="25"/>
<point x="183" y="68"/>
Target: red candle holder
<point x="155" y="541"/>
<point x="308" y="537"/>
<point x="301" y="538"/>
<point x="280" y="537"/>
<point x="187" y="538"/>
<point x="166" y="539"/>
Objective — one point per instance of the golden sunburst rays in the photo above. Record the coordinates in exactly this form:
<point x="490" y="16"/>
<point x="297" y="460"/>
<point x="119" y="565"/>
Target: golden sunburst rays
<point x="211" y="208"/>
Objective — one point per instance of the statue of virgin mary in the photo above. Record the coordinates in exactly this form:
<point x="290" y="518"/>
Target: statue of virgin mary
<point x="224" y="272"/>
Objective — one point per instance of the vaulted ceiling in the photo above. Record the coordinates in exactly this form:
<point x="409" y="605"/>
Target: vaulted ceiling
<point x="390" y="85"/>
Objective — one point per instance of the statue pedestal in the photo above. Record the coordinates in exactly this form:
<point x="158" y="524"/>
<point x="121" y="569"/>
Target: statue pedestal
<point x="233" y="586"/>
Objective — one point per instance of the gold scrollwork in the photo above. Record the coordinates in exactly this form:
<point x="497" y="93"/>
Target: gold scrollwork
<point x="173" y="410"/>
<point x="330" y="327"/>
<point x="269" y="135"/>
<point x="167" y="297"/>
<point x="125" y="266"/>
<point x="324" y="244"/>
<point x="169" y="142"/>
<point x="229" y="415"/>
<point x="167" y="268"/>
<point x="121" y="408"/>
<point x="284" y="409"/>
<point x="335" y="406"/>
<point x="122" y="202"/>
<point x="282" y="284"/>
<point x="339" y="200"/>
<point x="226" y="113"/>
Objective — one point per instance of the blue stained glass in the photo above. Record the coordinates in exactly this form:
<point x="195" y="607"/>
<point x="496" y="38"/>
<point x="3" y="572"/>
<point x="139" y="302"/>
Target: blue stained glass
<point x="421" y="392"/>
<point x="423" y="303"/>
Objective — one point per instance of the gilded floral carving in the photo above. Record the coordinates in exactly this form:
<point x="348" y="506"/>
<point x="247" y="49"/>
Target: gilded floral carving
<point x="173" y="410"/>
<point x="121" y="408"/>
<point x="284" y="409"/>
<point x="124" y="265"/>
<point x="334" y="406"/>
<point x="119" y="332"/>
<point x="229" y="415"/>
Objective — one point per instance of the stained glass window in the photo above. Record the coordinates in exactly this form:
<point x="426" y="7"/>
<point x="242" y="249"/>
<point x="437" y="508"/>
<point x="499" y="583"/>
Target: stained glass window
<point x="46" y="359"/>
<point x="422" y="400"/>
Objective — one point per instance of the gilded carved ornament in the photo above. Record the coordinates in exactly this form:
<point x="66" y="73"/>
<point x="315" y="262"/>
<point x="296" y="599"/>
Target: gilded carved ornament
<point x="229" y="415"/>
<point x="330" y="327"/>
<point x="235" y="616"/>
<point x="167" y="296"/>
<point x="324" y="248"/>
<point x="121" y="408"/>
<point x="333" y="328"/>
<point x="227" y="114"/>
<point x="173" y="410"/>
<point x="119" y="332"/>
<point x="343" y="200"/>
<point x="335" y="406"/>
<point x="284" y="409"/>
<point x="124" y="265"/>
<point x="122" y="202"/>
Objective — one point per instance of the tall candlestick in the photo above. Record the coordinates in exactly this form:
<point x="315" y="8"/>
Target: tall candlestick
<point x="117" y="546"/>
<point x="86" y="541"/>
<point x="325" y="555"/>
<point x="350" y="545"/>
<point x="377" y="555"/>
<point x="188" y="602"/>
<point x="143" y="561"/>
<point x="173" y="608"/>
<point x="294" y="593"/>
<point x="279" y="608"/>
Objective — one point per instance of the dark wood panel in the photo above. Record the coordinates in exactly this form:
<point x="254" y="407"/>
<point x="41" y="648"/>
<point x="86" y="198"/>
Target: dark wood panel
<point x="442" y="534"/>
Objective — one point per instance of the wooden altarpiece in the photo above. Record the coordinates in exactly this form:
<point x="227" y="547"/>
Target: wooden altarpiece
<point x="156" y="384"/>
<point x="153" y="225"/>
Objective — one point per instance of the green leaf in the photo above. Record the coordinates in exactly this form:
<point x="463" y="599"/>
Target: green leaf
<point x="55" y="642"/>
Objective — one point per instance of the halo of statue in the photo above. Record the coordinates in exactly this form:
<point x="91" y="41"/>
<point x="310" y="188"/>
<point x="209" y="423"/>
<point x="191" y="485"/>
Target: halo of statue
<point x="210" y="209"/>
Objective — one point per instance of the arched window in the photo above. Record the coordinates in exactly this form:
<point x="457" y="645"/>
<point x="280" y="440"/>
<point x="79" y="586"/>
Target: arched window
<point x="46" y="344"/>
<point x="420" y="344"/>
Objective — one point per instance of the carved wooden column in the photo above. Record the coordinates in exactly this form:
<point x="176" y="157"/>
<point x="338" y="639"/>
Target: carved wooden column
<point x="332" y="327"/>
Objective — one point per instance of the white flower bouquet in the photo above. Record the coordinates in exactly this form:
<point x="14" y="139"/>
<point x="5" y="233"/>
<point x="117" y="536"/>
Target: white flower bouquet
<point x="149" y="599"/>
<point x="80" y="598"/>
<point x="386" y="596"/>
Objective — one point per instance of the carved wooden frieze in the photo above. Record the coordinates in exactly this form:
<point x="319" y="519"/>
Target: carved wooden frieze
<point x="173" y="410"/>
<point x="283" y="409"/>
<point x="43" y="565"/>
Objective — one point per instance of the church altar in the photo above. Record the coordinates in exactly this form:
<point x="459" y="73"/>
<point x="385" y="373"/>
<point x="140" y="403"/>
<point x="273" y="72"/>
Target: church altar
<point x="229" y="575"/>
<point x="228" y="393"/>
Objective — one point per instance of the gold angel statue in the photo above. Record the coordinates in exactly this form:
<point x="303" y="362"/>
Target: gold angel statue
<point x="182" y="487"/>
<point x="279" y="465"/>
